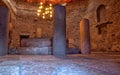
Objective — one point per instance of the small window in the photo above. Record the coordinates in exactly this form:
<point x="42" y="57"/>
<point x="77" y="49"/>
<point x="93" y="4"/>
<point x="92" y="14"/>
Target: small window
<point x="101" y="13"/>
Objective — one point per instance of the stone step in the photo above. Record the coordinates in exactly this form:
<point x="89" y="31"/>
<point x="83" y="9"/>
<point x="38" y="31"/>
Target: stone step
<point x="35" y="50"/>
<point x="40" y="50"/>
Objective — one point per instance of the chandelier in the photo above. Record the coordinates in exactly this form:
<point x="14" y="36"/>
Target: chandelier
<point x="45" y="10"/>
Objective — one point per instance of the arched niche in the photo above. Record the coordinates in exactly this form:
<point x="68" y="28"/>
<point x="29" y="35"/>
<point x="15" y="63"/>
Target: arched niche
<point x="101" y="13"/>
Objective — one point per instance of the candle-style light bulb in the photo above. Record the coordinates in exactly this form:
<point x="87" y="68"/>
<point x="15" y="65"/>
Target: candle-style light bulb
<point x="51" y="15"/>
<point x="43" y="17"/>
<point x="41" y="3"/>
<point x="50" y="8"/>
<point x="46" y="12"/>
<point x="38" y="14"/>
<point x="38" y="10"/>
<point x="50" y="4"/>
<point x="50" y="12"/>
<point x="40" y="7"/>
<point x="46" y="8"/>
<point x="43" y="14"/>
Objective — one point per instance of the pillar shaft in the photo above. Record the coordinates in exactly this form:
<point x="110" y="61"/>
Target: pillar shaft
<point x="3" y="30"/>
<point x="59" y="36"/>
<point x="85" y="36"/>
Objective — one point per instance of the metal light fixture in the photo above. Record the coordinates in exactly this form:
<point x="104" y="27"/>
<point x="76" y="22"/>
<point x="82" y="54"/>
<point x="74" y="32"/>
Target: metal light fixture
<point x="45" y="10"/>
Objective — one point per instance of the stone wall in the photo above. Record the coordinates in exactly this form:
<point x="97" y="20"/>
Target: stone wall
<point x="26" y="23"/>
<point x="105" y="35"/>
<point x="28" y="26"/>
<point x="75" y="12"/>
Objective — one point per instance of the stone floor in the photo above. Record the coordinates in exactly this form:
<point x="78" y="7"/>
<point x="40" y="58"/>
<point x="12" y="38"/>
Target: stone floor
<point x="77" y="64"/>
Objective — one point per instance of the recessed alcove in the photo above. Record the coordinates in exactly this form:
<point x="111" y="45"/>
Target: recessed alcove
<point x="101" y="13"/>
<point x="23" y="36"/>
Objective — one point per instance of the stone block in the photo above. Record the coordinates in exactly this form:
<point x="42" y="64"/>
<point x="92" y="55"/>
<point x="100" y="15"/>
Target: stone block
<point x="36" y="42"/>
<point x="35" y="50"/>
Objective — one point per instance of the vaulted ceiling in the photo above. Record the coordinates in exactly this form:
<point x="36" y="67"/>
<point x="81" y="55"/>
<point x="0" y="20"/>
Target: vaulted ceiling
<point x="23" y="7"/>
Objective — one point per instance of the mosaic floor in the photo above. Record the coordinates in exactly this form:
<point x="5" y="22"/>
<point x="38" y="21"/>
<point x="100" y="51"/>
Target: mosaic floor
<point x="77" y="64"/>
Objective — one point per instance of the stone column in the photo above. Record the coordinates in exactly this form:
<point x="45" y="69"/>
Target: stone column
<point x="85" y="36"/>
<point x="3" y="30"/>
<point x="59" y="36"/>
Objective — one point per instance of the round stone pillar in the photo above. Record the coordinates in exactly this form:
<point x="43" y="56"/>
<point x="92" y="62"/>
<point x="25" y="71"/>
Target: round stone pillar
<point x="59" y="36"/>
<point x="85" y="36"/>
<point x="3" y="30"/>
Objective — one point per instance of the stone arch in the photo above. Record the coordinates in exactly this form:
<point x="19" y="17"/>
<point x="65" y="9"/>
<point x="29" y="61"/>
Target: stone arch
<point x="11" y="6"/>
<point x="2" y="4"/>
<point x="101" y="13"/>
